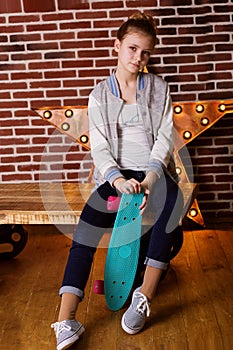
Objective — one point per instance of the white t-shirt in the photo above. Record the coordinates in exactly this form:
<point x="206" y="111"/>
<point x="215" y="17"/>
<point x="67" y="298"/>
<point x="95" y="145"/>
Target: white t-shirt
<point x="134" y="151"/>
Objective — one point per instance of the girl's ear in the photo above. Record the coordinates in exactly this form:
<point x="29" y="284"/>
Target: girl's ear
<point x="117" y="44"/>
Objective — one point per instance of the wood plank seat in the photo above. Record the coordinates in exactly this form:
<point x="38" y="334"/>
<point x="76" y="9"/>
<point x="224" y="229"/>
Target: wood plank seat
<point x="56" y="203"/>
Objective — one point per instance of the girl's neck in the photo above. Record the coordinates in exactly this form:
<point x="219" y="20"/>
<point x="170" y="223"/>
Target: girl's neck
<point x="126" y="79"/>
<point x="127" y="85"/>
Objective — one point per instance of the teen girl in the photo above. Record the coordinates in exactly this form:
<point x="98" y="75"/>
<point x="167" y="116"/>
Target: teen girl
<point x="131" y="133"/>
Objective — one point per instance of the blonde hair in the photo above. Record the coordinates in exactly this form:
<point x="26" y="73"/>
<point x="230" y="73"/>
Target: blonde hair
<point x="141" y="22"/>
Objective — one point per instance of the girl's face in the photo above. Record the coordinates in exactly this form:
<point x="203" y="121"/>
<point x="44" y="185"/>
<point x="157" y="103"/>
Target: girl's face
<point x="134" y="51"/>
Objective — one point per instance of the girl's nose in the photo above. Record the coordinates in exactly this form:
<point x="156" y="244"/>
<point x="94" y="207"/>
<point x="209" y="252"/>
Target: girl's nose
<point x="138" y="57"/>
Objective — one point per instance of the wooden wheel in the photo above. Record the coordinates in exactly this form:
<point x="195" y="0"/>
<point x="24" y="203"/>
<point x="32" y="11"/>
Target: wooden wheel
<point x="13" y="239"/>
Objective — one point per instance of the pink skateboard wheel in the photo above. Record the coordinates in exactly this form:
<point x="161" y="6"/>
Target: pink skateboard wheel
<point x="99" y="287"/>
<point x="113" y="203"/>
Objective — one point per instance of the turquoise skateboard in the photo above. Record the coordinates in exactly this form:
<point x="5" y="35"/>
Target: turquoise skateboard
<point x="123" y="251"/>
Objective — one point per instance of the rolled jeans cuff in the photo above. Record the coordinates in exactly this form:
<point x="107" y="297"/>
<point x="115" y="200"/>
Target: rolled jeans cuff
<point x="71" y="290"/>
<point x="155" y="263"/>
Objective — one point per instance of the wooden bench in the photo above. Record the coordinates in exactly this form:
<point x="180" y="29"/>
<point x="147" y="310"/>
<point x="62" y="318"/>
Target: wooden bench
<point x="49" y="203"/>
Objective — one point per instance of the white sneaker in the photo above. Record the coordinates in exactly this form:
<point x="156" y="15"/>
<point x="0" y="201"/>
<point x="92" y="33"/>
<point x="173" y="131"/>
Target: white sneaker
<point x="67" y="332"/>
<point x="134" y="318"/>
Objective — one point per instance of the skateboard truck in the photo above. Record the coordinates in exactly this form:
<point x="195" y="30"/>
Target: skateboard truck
<point x="113" y="203"/>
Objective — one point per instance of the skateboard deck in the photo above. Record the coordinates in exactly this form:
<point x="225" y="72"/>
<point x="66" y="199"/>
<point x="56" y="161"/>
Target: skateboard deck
<point x="123" y="251"/>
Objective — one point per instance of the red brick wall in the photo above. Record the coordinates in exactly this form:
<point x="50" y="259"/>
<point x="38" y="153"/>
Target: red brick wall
<point x="53" y="52"/>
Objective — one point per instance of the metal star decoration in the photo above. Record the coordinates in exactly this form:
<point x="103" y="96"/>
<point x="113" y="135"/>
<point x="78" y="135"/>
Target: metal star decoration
<point x="190" y="120"/>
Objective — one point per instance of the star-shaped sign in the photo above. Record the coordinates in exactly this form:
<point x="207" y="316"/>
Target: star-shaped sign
<point x="190" y="120"/>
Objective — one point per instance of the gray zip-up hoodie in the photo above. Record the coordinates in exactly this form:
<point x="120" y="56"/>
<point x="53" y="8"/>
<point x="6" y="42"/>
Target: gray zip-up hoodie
<point x="155" y="107"/>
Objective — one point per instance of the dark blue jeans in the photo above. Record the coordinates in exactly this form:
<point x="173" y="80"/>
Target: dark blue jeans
<point x="165" y="202"/>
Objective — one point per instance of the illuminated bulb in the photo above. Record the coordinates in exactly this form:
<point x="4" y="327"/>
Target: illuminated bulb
<point x="187" y="135"/>
<point x="65" y="126"/>
<point x="204" y="121"/>
<point x="69" y="113"/>
<point x="199" y="108"/>
<point x="84" y="139"/>
<point x="222" y="107"/>
<point x="193" y="212"/>
<point x="178" y="109"/>
<point x="47" y="114"/>
<point x="178" y="170"/>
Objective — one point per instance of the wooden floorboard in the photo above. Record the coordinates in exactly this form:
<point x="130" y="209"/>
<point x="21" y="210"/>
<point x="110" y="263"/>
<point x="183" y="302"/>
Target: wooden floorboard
<point x="200" y="321"/>
<point x="219" y="281"/>
<point x="192" y="309"/>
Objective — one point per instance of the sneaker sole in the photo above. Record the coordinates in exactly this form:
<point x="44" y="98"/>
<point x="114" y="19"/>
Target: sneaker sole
<point x="127" y="329"/>
<point x="68" y="342"/>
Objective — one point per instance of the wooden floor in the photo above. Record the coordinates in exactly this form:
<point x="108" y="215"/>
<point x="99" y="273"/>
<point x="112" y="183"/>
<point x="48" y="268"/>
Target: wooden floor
<point x="193" y="308"/>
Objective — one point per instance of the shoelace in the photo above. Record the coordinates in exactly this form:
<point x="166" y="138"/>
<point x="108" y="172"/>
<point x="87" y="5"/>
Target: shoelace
<point x="60" y="326"/>
<point x="143" y="305"/>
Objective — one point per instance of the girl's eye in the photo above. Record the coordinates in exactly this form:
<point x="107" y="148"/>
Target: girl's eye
<point x="146" y="53"/>
<point x="132" y="48"/>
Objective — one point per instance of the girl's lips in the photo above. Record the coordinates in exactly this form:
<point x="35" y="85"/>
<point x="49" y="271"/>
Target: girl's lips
<point x="136" y="65"/>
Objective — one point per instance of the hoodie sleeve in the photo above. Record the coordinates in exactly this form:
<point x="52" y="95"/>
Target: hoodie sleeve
<point x="164" y="140"/>
<point x="100" y="145"/>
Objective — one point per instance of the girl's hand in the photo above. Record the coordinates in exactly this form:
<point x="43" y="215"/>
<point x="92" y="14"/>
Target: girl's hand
<point x="144" y="201"/>
<point x="149" y="180"/>
<point x="127" y="186"/>
<point x="147" y="184"/>
<point x="134" y="186"/>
